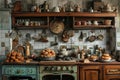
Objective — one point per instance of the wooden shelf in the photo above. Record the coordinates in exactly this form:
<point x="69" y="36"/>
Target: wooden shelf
<point x="31" y="27"/>
<point x="92" y="26"/>
<point x="73" y="16"/>
<point x="94" y="14"/>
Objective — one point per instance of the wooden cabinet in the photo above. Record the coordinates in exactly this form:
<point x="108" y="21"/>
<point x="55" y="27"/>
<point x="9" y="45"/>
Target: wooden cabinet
<point x="76" y="20"/>
<point x="111" y="72"/>
<point x="102" y="71"/>
<point x="90" y="73"/>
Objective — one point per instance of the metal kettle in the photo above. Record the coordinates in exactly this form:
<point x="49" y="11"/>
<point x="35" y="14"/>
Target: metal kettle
<point x="64" y="52"/>
<point x="56" y="9"/>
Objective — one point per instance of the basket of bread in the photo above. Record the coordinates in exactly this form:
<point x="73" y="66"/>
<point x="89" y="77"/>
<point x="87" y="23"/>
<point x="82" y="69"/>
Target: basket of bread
<point x="93" y="58"/>
<point x="47" y="54"/>
<point x="106" y="57"/>
<point x="14" y="56"/>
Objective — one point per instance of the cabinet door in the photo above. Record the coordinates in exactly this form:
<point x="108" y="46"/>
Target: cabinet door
<point x="90" y="73"/>
<point x="112" y="78"/>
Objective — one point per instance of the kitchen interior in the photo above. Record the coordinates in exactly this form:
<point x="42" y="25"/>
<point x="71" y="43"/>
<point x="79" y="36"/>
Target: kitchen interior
<point x="59" y="40"/>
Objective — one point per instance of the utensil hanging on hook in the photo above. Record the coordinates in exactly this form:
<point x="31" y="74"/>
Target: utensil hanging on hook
<point x="28" y="36"/>
<point x="81" y="36"/>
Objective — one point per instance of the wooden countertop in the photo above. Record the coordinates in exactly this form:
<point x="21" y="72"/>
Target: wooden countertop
<point x="62" y="63"/>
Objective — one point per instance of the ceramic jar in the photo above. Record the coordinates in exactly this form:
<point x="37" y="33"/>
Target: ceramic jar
<point x="107" y="22"/>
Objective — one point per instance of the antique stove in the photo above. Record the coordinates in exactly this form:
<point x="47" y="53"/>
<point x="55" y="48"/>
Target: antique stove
<point x="57" y="72"/>
<point x="19" y="72"/>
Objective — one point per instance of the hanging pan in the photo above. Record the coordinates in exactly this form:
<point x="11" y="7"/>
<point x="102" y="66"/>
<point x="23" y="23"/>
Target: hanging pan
<point x="56" y="27"/>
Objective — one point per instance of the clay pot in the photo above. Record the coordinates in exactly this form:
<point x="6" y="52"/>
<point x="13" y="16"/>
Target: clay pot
<point x="107" y="22"/>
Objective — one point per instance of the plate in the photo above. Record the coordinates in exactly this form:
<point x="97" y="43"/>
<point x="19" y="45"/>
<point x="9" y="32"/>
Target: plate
<point x="56" y="27"/>
<point x="107" y="60"/>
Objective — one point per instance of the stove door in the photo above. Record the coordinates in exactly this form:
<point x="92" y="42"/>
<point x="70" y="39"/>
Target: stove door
<point x="68" y="77"/>
<point x="51" y="77"/>
<point x="58" y="77"/>
<point x="20" y="78"/>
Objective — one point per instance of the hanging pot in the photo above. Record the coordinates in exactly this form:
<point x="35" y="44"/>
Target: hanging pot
<point x="91" y="38"/>
<point x="100" y="37"/>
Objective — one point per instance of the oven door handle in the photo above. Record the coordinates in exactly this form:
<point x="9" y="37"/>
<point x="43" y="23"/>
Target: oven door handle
<point x="56" y="73"/>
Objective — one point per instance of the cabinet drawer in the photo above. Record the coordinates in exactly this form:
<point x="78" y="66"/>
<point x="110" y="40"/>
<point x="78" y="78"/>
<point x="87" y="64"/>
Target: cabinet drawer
<point x="112" y="70"/>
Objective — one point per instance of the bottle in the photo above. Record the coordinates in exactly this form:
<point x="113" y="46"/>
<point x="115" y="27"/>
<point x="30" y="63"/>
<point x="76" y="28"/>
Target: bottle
<point x="46" y="6"/>
<point x="27" y="50"/>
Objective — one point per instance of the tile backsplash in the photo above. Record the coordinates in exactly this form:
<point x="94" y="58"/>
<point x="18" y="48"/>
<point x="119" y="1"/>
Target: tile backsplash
<point x="5" y="26"/>
<point x="4" y="42"/>
<point x="73" y="41"/>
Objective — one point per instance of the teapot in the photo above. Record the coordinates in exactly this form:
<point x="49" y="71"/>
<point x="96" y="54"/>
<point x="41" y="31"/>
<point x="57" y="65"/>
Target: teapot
<point x="56" y="9"/>
<point x="108" y="7"/>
